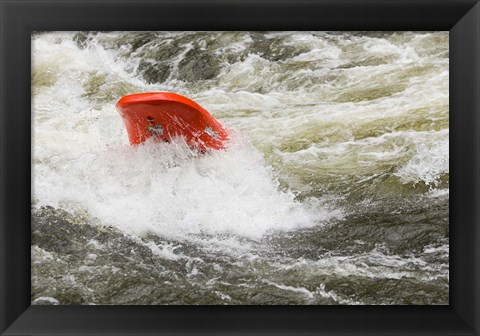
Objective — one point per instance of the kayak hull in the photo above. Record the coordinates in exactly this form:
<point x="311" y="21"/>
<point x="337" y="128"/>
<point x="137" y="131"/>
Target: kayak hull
<point x="164" y="116"/>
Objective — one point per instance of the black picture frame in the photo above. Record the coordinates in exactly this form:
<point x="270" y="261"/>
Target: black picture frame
<point x="19" y="18"/>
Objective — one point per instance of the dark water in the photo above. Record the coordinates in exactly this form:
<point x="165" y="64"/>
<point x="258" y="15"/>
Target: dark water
<point x="334" y="190"/>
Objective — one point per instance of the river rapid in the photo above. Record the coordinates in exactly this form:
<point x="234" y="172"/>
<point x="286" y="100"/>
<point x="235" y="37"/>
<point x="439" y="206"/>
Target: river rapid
<point x="334" y="188"/>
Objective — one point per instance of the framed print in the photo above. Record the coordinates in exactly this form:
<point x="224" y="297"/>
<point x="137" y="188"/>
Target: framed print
<point x="233" y="167"/>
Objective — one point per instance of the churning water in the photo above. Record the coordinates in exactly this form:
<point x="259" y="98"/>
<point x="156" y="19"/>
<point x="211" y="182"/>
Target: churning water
<point x="334" y="188"/>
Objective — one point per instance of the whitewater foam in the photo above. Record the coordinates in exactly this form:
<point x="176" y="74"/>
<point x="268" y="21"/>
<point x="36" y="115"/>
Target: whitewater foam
<point x="82" y="157"/>
<point x="168" y="190"/>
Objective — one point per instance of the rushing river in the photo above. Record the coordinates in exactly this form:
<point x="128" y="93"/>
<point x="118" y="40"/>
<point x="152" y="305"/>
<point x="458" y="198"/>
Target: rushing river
<point x="334" y="188"/>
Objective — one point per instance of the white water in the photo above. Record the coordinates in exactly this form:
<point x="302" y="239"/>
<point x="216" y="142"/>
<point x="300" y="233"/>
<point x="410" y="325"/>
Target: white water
<point x="82" y="158"/>
<point x="82" y="161"/>
<point x="162" y="188"/>
<point x="293" y="131"/>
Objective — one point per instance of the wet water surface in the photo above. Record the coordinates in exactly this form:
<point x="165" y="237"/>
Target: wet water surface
<point x="334" y="188"/>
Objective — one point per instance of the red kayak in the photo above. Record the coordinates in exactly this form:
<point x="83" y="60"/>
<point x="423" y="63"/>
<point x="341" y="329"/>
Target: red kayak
<point x="165" y="115"/>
